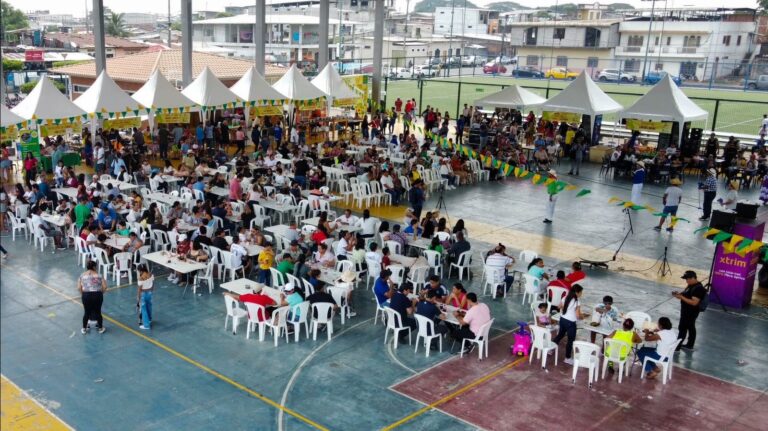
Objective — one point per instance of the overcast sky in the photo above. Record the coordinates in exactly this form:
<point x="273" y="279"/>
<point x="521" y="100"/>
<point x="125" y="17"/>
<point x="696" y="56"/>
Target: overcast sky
<point x="77" y="7"/>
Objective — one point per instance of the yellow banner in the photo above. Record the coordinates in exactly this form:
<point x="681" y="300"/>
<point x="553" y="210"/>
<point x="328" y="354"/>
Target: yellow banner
<point x="175" y="117"/>
<point x="265" y="111"/>
<point x="359" y="83"/>
<point x="649" y="126"/>
<point x="10" y="133"/>
<point x="568" y="117"/>
<point x="52" y="129"/>
<point x="338" y="103"/>
<point x="122" y="123"/>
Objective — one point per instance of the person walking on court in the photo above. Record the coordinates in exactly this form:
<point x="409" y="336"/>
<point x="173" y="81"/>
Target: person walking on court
<point x="672" y="198"/>
<point x="577" y="155"/>
<point x="690" y="303"/>
<point x="571" y="314"/>
<point x="709" y="187"/>
<point x="144" y="296"/>
<point x="552" y="196"/>
<point x="638" y="179"/>
<point x="92" y="287"/>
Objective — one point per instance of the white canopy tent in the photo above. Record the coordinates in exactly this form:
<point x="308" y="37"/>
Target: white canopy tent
<point x="105" y="97"/>
<point x="514" y="97"/>
<point x="159" y="93"/>
<point x="46" y="102"/>
<point x="252" y="87"/>
<point x="330" y="82"/>
<point x="8" y="118"/>
<point x="296" y="87"/>
<point x="582" y="96"/>
<point x="208" y="92"/>
<point x="665" y="102"/>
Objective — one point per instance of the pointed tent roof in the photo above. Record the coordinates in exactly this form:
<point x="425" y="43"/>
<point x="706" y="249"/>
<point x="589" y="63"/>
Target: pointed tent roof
<point x="514" y="97"/>
<point x="105" y="96"/>
<point x="252" y="87"/>
<point x="665" y="102"/>
<point x="158" y="93"/>
<point x="582" y="96"/>
<point x="296" y="87"/>
<point x="46" y="102"/>
<point x="7" y="117"/>
<point x="207" y="91"/>
<point x="329" y="82"/>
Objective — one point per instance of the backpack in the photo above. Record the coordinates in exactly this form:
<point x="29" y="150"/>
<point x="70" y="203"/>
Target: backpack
<point x="704" y="303"/>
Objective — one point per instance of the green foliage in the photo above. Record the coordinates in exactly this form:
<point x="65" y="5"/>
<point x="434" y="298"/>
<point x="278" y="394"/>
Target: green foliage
<point x="11" y="19"/>
<point x="619" y="6"/>
<point x="69" y="62"/>
<point x="26" y="88"/>
<point x="12" y="65"/>
<point x="223" y="15"/>
<point x="504" y="6"/>
<point x="428" y="6"/>
<point x="763" y="4"/>
<point x="115" y="25"/>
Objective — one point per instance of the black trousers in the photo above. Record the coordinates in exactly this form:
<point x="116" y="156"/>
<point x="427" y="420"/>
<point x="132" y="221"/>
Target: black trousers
<point x="708" y="198"/>
<point x="687" y="327"/>
<point x="92" y="308"/>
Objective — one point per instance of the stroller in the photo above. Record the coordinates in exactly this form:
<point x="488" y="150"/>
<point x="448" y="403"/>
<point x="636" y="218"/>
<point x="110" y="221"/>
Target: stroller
<point x="523" y="341"/>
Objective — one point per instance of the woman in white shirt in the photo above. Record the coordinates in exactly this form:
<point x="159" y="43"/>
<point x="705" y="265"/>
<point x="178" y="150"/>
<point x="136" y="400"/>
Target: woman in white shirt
<point x="367" y="224"/>
<point x="665" y="339"/>
<point x="144" y="296"/>
<point x="571" y="314"/>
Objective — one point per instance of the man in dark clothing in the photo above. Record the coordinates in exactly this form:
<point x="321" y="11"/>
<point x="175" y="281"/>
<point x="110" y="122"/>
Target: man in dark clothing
<point x="690" y="299"/>
<point x="321" y="296"/>
<point x="416" y="198"/>
<point x="301" y="167"/>
<point x="460" y="246"/>
<point x="403" y="306"/>
<point x="163" y="136"/>
<point x="219" y="241"/>
<point x="427" y="307"/>
<point x="224" y="130"/>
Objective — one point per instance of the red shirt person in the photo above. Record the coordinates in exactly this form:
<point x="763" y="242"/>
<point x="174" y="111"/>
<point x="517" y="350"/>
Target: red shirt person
<point x="576" y="275"/>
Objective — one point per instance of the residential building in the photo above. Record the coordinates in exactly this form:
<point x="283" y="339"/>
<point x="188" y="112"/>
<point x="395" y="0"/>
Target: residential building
<point x="461" y="21"/>
<point x="80" y="42"/>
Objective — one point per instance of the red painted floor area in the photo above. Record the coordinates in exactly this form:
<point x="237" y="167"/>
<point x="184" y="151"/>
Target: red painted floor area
<point x="525" y="397"/>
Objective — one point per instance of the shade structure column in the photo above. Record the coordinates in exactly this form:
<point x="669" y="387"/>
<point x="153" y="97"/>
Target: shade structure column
<point x="259" y="30"/>
<point x="378" y="36"/>
<point x="186" y="42"/>
<point x="98" y="36"/>
<point x="322" y="55"/>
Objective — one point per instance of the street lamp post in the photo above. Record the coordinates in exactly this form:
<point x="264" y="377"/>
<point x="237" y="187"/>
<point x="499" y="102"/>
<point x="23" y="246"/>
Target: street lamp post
<point x="648" y="42"/>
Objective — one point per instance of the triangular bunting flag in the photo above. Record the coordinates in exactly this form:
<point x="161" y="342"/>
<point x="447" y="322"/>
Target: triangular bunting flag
<point x="721" y="236"/>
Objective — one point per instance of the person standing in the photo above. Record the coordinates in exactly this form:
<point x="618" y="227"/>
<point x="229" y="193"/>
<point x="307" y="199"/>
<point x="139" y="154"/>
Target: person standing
<point x="162" y="139"/>
<point x="552" y="190"/>
<point x="690" y="300"/>
<point x="672" y="198"/>
<point x="709" y="187"/>
<point x="638" y="179"/>
<point x="416" y="197"/>
<point x="144" y="296"/>
<point x="577" y="155"/>
<point x="92" y="287"/>
<point x="240" y="140"/>
<point x="571" y="315"/>
<point x="731" y="196"/>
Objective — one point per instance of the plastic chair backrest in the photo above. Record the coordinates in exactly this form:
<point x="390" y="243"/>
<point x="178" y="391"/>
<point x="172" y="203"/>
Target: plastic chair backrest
<point x="443" y="236"/>
<point x="615" y="349"/>
<point x="484" y="330"/>
<point x="374" y="268"/>
<point x="398" y="272"/>
<point x="394" y="247"/>
<point x="526" y="256"/>
<point x="541" y="336"/>
<point x="555" y="295"/>
<point x="345" y="265"/>
<point x="465" y="259"/>
<point x="638" y="317"/>
<point x="585" y="353"/>
<point x="123" y="260"/>
<point x="425" y="325"/>
<point x="339" y="295"/>
<point x="323" y="312"/>
<point x="279" y="316"/>
<point x="433" y="258"/>
<point x="531" y="283"/>
<point x="393" y="319"/>
<point x="231" y="304"/>
<point x="256" y="312"/>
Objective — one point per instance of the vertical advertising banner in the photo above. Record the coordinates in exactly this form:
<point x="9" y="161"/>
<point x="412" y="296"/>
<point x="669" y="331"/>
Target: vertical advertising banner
<point x="733" y="275"/>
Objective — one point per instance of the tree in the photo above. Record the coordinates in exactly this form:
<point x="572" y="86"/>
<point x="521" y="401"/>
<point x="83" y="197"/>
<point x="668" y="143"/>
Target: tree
<point x="763" y="4"/>
<point x="116" y="25"/>
<point x="12" y="19"/>
<point x="27" y="87"/>
<point x="12" y="65"/>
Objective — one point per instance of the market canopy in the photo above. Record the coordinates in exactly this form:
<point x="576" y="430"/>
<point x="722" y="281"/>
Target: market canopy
<point x="159" y="93"/>
<point x="46" y="102"/>
<point x="252" y="87"/>
<point x="665" y="102"/>
<point x="8" y="118"/>
<point x="296" y="87"/>
<point x="514" y="97"/>
<point x="105" y="97"/>
<point x="207" y="91"/>
<point x="329" y="82"/>
<point x="582" y="96"/>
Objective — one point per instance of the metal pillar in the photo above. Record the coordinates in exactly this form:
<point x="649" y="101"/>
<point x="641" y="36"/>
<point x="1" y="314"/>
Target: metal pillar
<point x="186" y="42"/>
<point x="259" y="31"/>
<point x="322" y="55"/>
<point x="98" y="36"/>
<point x="378" y="38"/>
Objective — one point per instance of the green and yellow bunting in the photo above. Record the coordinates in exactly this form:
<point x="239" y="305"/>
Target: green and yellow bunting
<point x="733" y="243"/>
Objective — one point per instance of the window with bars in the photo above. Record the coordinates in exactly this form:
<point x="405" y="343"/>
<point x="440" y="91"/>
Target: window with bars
<point x="559" y="33"/>
<point x="635" y="40"/>
<point x="632" y="65"/>
<point x="727" y="40"/>
<point x="592" y="61"/>
<point x="532" y="60"/>
<point x="561" y="61"/>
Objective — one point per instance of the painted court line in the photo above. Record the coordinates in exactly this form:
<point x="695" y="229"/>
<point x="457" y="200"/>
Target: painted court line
<point x="21" y="412"/>
<point x="189" y="360"/>
<point x="452" y="395"/>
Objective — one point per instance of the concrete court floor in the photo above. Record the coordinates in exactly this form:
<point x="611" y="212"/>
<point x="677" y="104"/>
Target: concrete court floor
<point x="189" y="373"/>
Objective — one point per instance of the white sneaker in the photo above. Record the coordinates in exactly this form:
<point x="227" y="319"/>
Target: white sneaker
<point x="172" y="278"/>
<point x="351" y="314"/>
<point x="568" y="361"/>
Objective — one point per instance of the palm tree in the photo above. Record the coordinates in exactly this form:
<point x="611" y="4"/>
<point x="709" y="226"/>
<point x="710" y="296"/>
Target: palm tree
<point x="116" y="25"/>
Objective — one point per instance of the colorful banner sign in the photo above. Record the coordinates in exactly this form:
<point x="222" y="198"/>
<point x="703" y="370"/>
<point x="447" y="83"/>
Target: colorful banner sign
<point x="122" y="123"/>
<point x="560" y="117"/>
<point x="30" y="143"/>
<point x="36" y="55"/>
<point x="359" y="83"/>
<point x="10" y="133"/>
<point x="265" y="111"/>
<point x="735" y="266"/>
<point x="53" y="129"/>
<point x="649" y="126"/>
<point x="173" y="117"/>
<point x="340" y="103"/>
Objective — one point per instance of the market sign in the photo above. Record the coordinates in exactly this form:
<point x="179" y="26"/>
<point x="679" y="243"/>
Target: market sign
<point x="649" y="126"/>
<point x="266" y="111"/>
<point x="122" y="123"/>
<point x="53" y="129"/>
<point x="338" y="103"/>
<point x="359" y="83"/>
<point x="34" y="55"/>
<point x="561" y="117"/>
<point x="174" y="117"/>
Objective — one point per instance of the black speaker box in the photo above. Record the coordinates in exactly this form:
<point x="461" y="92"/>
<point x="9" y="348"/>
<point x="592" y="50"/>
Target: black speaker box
<point x="723" y="220"/>
<point x="746" y="211"/>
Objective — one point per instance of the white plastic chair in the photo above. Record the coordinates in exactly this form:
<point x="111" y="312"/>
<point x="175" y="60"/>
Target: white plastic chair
<point x="340" y="297"/>
<point x="374" y="270"/>
<point x="254" y="311"/>
<point x="83" y="252"/>
<point x="345" y="265"/>
<point x="555" y="295"/>
<point x="303" y="310"/>
<point x="664" y="361"/>
<point x="443" y="236"/>
<point x="231" y="267"/>
<point x="394" y="247"/>
<point x="123" y="266"/>
<point x="395" y="324"/>
<point x="426" y="331"/>
<point x="434" y="259"/>
<point x="160" y="240"/>
<point x="525" y="257"/>
<point x="398" y="274"/>
<point x="278" y="324"/>
<point x="463" y="262"/>
<point x="277" y="278"/>
<point x="613" y="350"/>
<point x="481" y="340"/>
<point x="531" y="287"/>
<point x="494" y="279"/>
<point x="542" y="342"/>
<point x="418" y="276"/>
<point x="234" y="312"/>
<point x="42" y="239"/>
<point x="585" y="355"/>
<point x="206" y="276"/>
<point x="322" y="314"/>
<point x="102" y="259"/>
<point x="638" y="317"/>
<point x="17" y="225"/>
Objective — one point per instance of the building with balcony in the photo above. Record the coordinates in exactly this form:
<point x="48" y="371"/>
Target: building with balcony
<point x="697" y="44"/>
<point x="459" y="21"/>
<point x="576" y="45"/>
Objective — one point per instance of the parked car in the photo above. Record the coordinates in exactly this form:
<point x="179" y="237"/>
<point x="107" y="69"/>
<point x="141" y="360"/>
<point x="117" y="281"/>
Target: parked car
<point x="652" y="78"/>
<point x="495" y="68"/>
<point x="401" y="73"/>
<point x="561" y="73"/>
<point x="505" y="60"/>
<point x="434" y="61"/>
<point x="761" y="83"/>
<point x="426" y="70"/>
<point x="454" y="61"/>
<point x="615" y="75"/>
<point x="527" y="72"/>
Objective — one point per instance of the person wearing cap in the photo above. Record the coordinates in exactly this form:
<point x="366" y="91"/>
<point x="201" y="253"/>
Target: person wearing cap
<point x="294" y="250"/>
<point x="403" y="305"/>
<point x="107" y="217"/>
<point x="638" y="179"/>
<point x="552" y="191"/>
<point x="690" y="299"/>
<point x="709" y="187"/>
<point x="290" y="297"/>
<point x="673" y="195"/>
<point x="731" y="196"/>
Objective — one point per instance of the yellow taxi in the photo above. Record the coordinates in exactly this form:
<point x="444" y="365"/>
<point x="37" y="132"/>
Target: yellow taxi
<point x="561" y="73"/>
